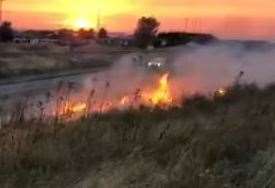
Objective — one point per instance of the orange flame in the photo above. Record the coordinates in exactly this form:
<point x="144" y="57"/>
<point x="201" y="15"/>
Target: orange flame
<point x="162" y="94"/>
<point x="72" y="108"/>
<point x="79" y="107"/>
<point x="221" y="92"/>
<point x="125" y="100"/>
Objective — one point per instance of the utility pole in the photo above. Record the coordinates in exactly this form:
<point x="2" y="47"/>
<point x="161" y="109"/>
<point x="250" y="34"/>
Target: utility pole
<point x="98" y="25"/>
<point x="1" y="10"/>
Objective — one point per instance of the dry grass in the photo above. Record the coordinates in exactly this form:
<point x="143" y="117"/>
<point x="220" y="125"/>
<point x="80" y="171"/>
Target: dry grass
<point x="18" y="59"/>
<point x="27" y="48"/>
<point x="22" y="59"/>
<point x="220" y="142"/>
<point x="31" y="64"/>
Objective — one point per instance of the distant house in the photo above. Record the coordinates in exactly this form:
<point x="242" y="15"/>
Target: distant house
<point x="35" y="38"/>
<point x="34" y="41"/>
<point x="21" y="40"/>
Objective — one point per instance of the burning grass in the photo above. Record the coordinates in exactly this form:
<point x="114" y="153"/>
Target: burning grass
<point x="69" y="102"/>
<point x="162" y="95"/>
<point x="224" y="141"/>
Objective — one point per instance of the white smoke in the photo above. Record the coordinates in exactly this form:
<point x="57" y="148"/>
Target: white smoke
<point x="193" y="69"/>
<point x="206" y="68"/>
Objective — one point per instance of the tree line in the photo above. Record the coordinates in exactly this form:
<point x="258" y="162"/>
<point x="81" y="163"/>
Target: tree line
<point x="7" y="33"/>
<point x="144" y="35"/>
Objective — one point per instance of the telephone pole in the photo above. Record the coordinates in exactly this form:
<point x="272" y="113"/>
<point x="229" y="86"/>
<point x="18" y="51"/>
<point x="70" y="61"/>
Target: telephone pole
<point x="98" y="25"/>
<point x="1" y="10"/>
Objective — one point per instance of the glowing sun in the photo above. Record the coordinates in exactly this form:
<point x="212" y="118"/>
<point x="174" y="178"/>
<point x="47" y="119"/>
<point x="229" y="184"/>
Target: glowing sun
<point x="82" y="24"/>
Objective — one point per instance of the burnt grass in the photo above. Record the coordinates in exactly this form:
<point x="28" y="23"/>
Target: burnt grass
<point x="210" y="143"/>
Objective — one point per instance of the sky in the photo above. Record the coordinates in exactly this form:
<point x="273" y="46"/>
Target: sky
<point x="224" y="18"/>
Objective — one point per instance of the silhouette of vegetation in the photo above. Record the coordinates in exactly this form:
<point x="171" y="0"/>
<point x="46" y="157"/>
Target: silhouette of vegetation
<point x="102" y="33"/>
<point x="66" y="34"/>
<point x="146" y="31"/>
<point x="6" y="32"/>
<point x="86" y="34"/>
<point x="179" y="38"/>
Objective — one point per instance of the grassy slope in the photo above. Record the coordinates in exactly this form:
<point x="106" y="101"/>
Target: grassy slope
<point x="225" y="142"/>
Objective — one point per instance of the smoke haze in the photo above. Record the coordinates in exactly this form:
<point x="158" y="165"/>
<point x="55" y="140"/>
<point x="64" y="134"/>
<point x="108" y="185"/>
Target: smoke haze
<point x="192" y="69"/>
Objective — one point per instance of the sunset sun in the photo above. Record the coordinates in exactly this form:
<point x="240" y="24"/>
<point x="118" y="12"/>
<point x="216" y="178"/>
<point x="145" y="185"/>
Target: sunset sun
<point x="82" y="24"/>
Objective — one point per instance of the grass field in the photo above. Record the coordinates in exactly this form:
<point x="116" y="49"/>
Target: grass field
<point x="18" y="60"/>
<point x="211" y="143"/>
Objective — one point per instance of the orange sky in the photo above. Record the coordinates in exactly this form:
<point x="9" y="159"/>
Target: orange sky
<point x="225" y="18"/>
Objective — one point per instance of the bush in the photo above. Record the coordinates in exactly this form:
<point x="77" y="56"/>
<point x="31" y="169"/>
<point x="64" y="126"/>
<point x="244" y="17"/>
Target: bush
<point x="6" y="32"/>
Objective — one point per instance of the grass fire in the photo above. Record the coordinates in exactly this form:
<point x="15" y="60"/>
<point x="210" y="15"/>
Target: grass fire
<point x="77" y="107"/>
<point x="157" y="94"/>
<point x="162" y="95"/>
<point x="186" y="116"/>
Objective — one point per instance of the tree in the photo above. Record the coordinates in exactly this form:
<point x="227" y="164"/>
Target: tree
<point x="86" y="34"/>
<point x="102" y="33"/>
<point x="6" y="32"/>
<point x="146" y="31"/>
